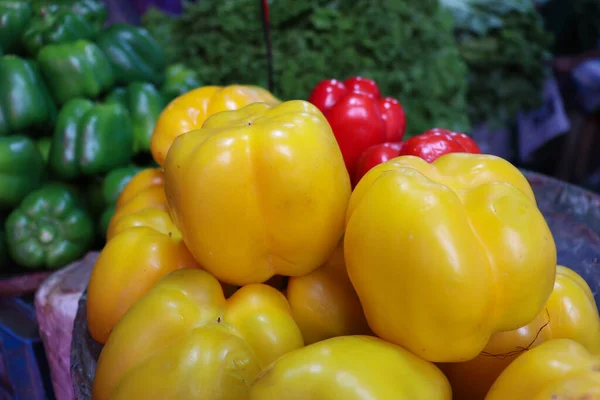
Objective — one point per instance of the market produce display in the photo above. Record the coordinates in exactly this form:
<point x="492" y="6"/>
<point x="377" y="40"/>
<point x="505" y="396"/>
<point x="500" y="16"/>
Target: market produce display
<point x="406" y="46"/>
<point x="302" y="243"/>
<point x="249" y="252"/>
<point x="78" y="105"/>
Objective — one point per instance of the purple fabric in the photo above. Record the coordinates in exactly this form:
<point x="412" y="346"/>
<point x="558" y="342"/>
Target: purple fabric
<point x="496" y="142"/>
<point x="538" y="127"/>
<point x="586" y="77"/>
<point x="170" y="6"/>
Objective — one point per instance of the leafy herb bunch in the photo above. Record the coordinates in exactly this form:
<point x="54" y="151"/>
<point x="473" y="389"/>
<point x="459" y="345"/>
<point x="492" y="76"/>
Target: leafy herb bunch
<point x="505" y="46"/>
<point x="406" y="46"/>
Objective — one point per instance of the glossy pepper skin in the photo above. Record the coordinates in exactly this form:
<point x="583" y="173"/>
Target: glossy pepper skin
<point x="351" y="368"/>
<point x="75" y="69"/>
<point x="436" y="142"/>
<point x="133" y="53"/>
<point x="21" y="169"/>
<point x="112" y="185"/>
<point x="49" y="229"/>
<point x="25" y="102"/>
<point x="90" y="139"/>
<point x="358" y="115"/>
<point x="94" y="11"/>
<point x="145" y="190"/>
<point x="557" y="369"/>
<point x="144" y="103"/>
<point x="54" y="26"/>
<point x="14" y="18"/>
<point x="259" y="191"/>
<point x="189" y="111"/>
<point x="570" y="313"/>
<point x="448" y="252"/>
<point x="195" y="343"/>
<point x="179" y="80"/>
<point x="143" y="245"/>
<point x="374" y="156"/>
<point x="324" y="303"/>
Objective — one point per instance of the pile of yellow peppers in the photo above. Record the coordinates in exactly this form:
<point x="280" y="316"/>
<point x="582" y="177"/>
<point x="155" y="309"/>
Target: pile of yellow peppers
<point x="245" y="267"/>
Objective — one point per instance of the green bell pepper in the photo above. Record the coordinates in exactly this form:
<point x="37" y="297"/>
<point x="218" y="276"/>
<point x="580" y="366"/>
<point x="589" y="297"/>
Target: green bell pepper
<point x="144" y="103"/>
<point x="43" y="145"/>
<point x="179" y="79"/>
<point x="94" y="11"/>
<point x="90" y="139"/>
<point x="112" y="186"/>
<point x="75" y="69"/>
<point x="25" y="102"/>
<point x="50" y="229"/>
<point x="14" y="17"/>
<point x="21" y="169"/>
<point x="134" y="54"/>
<point x="54" y="27"/>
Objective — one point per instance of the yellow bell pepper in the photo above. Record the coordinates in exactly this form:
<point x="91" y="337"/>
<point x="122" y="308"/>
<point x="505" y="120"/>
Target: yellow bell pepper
<point x="258" y="192"/>
<point x="324" y="303"/>
<point x="184" y="340"/>
<point x="143" y="246"/>
<point x="570" y="313"/>
<point x="146" y="190"/>
<point x="443" y="255"/>
<point x="351" y="368"/>
<point x="557" y="369"/>
<point x="189" y="111"/>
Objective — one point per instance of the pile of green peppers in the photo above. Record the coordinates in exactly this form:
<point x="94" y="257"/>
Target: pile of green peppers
<point x="78" y="104"/>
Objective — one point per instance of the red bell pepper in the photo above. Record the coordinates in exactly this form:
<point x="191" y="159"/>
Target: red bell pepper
<point x="358" y="115"/>
<point x="436" y="142"/>
<point x="374" y="156"/>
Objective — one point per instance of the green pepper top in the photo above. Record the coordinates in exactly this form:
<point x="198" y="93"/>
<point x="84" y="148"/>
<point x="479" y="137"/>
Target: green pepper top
<point x="60" y="26"/>
<point x="14" y="17"/>
<point x="144" y="104"/>
<point x="49" y="229"/>
<point x="22" y="169"/>
<point x="90" y="139"/>
<point x="25" y="101"/>
<point x="75" y="69"/>
<point x="133" y="53"/>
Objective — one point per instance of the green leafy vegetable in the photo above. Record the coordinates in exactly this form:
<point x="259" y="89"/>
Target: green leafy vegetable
<point x="407" y="46"/>
<point x="505" y="47"/>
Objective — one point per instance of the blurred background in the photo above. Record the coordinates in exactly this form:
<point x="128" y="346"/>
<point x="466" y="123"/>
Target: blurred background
<point x="521" y="76"/>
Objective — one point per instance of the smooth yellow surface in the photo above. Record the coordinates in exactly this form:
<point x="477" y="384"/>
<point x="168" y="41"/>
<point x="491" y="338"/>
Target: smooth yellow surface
<point x="189" y="111"/>
<point x="557" y="369"/>
<point x="570" y="313"/>
<point x="145" y="191"/>
<point x="573" y="312"/>
<point x="142" y="180"/>
<point x="130" y="264"/>
<point x="258" y="192"/>
<point x="143" y="245"/>
<point x="351" y="368"/>
<point x="184" y="340"/>
<point x="324" y="303"/>
<point x="443" y="255"/>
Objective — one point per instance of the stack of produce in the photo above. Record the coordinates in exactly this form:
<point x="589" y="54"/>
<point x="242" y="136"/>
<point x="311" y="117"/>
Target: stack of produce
<point x="78" y="104"/>
<point x="248" y="267"/>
